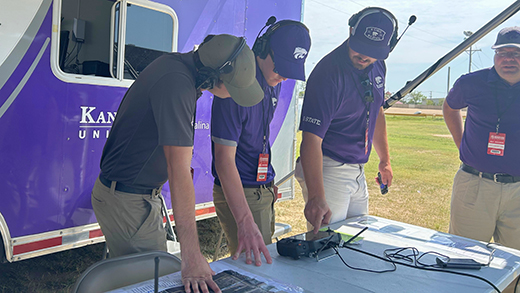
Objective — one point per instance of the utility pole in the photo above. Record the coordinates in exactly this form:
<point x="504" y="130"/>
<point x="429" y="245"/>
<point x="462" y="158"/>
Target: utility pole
<point x="468" y="34"/>
<point x="448" y="88"/>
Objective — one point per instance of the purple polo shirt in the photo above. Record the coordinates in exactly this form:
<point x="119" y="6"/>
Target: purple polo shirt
<point x="488" y="96"/>
<point x="333" y="106"/>
<point x="245" y="128"/>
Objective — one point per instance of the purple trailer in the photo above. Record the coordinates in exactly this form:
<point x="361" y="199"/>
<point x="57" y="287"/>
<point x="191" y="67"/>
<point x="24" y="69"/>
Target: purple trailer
<point x="62" y="77"/>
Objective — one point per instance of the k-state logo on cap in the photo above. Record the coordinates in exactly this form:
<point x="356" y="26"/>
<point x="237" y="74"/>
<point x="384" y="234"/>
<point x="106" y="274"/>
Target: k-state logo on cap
<point x="299" y="53"/>
<point x="375" y="33"/>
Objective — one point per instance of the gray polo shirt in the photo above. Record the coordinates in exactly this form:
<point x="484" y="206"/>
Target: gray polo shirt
<point x="157" y="110"/>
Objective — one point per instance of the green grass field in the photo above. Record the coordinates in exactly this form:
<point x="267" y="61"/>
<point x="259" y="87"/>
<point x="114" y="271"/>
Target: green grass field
<point x="424" y="160"/>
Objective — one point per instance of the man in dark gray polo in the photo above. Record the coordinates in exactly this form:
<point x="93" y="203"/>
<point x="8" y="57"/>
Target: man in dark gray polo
<point x="151" y="141"/>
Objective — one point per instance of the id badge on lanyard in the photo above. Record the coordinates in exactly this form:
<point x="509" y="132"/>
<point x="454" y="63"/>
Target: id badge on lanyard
<point x="263" y="158"/>
<point x="496" y="144"/>
<point x="497" y="140"/>
<point x="263" y="165"/>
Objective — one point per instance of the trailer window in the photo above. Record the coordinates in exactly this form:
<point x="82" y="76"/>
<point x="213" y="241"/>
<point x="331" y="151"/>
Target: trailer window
<point x="90" y="32"/>
<point x="148" y="34"/>
<point x="84" y="37"/>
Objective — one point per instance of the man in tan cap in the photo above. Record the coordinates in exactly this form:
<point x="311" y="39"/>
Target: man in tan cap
<point x="151" y="141"/>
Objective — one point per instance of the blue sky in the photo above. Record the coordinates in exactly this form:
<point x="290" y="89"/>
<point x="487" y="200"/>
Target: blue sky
<point x="439" y="28"/>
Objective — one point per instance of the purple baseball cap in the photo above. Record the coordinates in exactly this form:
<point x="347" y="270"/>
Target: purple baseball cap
<point x="508" y="37"/>
<point x="290" y="45"/>
<point x="372" y="33"/>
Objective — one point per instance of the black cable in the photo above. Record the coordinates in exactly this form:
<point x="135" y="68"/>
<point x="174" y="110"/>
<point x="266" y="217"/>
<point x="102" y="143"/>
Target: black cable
<point x="65" y="63"/>
<point x="77" y="52"/>
<point x="492" y="253"/>
<point x="516" y="285"/>
<point x="415" y="253"/>
<point x="423" y="268"/>
<point x="366" y="270"/>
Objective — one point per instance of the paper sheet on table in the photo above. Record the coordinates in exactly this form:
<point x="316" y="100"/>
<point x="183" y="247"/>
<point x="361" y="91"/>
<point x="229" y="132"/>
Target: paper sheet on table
<point x="174" y="280"/>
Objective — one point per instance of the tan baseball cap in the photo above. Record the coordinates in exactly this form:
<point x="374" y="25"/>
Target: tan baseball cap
<point x="241" y="81"/>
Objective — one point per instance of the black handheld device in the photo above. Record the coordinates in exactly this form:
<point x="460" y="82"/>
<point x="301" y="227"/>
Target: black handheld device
<point x="459" y="263"/>
<point x="307" y="244"/>
<point x="383" y="187"/>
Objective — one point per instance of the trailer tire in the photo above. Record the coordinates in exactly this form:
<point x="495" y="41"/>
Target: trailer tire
<point x="3" y="258"/>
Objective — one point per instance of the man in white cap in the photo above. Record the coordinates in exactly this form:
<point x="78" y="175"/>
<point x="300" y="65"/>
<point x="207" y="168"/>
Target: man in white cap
<point x="151" y="141"/>
<point x="485" y="200"/>
<point x="342" y="116"/>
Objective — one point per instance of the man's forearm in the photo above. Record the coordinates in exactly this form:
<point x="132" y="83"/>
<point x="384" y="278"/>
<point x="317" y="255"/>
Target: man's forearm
<point x="454" y="123"/>
<point x="311" y="157"/>
<point x="380" y="140"/>
<point x="232" y="187"/>
<point x="183" y="205"/>
<point x="182" y="197"/>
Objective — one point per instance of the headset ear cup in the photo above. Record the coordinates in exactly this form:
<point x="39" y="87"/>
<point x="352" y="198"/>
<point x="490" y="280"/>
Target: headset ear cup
<point x="256" y="46"/>
<point x="259" y="47"/>
<point x="207" y="78"/>
<point x="265" y="49"/>
<point x="353" y="20"/>
<point x="393" y="41"/>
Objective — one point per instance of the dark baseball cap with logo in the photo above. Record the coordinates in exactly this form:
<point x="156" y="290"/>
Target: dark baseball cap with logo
<point x="290" y="45"/>
<point x="508" y="37"/>
<point x="241" y="82"/>
<point x="372" y="32"/>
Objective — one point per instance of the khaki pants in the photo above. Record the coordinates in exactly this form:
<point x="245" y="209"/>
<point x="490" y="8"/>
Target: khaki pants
<point x="260" y="202"/>
<point x="130" y="222"/>
<point x="481" y="209"/>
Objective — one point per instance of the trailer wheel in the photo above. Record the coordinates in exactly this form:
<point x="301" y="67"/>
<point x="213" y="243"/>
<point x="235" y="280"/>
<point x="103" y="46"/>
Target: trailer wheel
<point x="3" y="259"/>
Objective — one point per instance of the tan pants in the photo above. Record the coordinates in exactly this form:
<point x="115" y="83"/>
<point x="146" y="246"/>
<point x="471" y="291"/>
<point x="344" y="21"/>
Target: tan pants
<point x="260" y="202"/>
<point x="481" y="209"/>
<point x="130" y="222"/>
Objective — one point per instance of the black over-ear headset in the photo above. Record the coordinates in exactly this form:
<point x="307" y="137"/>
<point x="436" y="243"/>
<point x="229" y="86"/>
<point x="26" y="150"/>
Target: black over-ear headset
<point x="207" y="77"/>
<point x="262" y="46"/>
<point x="354" y="21"/>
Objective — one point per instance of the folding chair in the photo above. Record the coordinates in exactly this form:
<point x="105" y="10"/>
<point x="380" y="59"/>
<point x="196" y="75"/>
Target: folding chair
<point x="113" y="273"/>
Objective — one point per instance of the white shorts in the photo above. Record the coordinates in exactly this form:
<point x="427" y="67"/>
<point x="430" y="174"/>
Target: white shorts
<point x="345" y="188"/>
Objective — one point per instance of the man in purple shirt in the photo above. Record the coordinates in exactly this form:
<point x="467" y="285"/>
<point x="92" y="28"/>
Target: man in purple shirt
<point x="485" y="199"/>
<point x="342" y="116"/>
<point x="244" y="192"/>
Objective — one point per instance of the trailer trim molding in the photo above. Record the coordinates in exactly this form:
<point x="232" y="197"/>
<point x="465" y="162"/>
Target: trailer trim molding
<point x="20" y="248"/>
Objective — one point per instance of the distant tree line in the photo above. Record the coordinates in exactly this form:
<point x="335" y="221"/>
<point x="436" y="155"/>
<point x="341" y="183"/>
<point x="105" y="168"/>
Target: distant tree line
<point x="417" y="97"/>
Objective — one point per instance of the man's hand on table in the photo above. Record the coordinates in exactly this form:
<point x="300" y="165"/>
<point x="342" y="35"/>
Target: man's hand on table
<point x="317" y="213"/>
<point x="250" y="240"/>
<point x="196" y="273"/>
